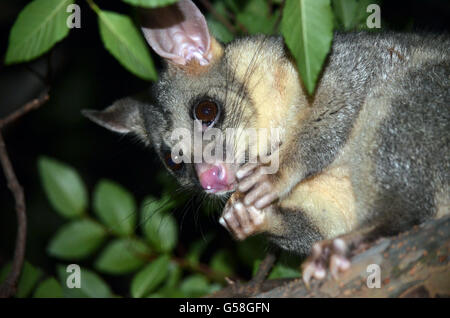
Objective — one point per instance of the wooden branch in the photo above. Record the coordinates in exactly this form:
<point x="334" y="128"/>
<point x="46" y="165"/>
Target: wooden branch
<point x="258" y="283"/>
<point x="31" y="105"/>
<point x="265" y="268"/>
<point x="413" y="264"/>
<point x="8" y="288"/>
<point x="201" y="268"/>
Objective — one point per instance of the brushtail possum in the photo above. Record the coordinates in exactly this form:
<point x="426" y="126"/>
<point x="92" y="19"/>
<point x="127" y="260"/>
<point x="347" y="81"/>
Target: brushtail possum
<point x="367" y="155"/>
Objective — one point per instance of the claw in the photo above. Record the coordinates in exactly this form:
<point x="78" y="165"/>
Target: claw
<point x="257" y="185"/>
<point x="329" y="254"/>
<point x="266" y="200"/>
<point x="245" y="170"/>
<point x="242" y="221"/>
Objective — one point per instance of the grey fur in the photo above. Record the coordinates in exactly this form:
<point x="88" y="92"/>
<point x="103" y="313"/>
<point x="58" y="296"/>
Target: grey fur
<point x="399" y="158"/>
<point x="299" y="235"/>
<point x="412" y="157"/>
<point x="381" y="107"/>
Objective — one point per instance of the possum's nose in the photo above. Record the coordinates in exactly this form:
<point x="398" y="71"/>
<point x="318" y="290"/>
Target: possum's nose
<point x="215" y="178"/>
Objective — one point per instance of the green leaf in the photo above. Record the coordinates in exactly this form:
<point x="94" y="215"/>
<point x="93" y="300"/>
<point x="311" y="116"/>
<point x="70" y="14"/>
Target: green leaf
<point x="219" y="31"/>
<point x="27" y="281"/>
<point x="216" y="28"/>
<point x="28" y="278"/>
<point x="158" y="294"/>
<point x="345" y="12"/>
<point x="170" y="287"/>
<point x="287" y="266"/>
<point x="40" y="25"/>
<point x="115" y="207"/>
<point x="124" y="41"/>
<point x="150" y="277"/>
<point x="91" y="285"/>
<point x="234" y="5"/>
<point x="223" y="262"/>
<point x="259" y="24"/>
<point x="122" y="256"/>
<point x="166" y="293"/>
<point x="195" y="286"/>
<point x="49" y="288"/>
<point x="77" y="240"/>
<point x="351" y="13"/>
<point x="283" y="271"/>
<point x="150" y="3"/>
<point x="63" y="186"/>
<point x="256" y="17"/>
<point x="159" y="226"/>
<point x="307" y="27"/>
<point x="173" y="277"/>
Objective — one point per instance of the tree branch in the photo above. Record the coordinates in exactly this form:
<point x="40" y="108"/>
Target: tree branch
<point x="29" y="106"/>
<point x="412" y="264"/>
<point x="258" y="284"/>
<point x="8" y="288"/>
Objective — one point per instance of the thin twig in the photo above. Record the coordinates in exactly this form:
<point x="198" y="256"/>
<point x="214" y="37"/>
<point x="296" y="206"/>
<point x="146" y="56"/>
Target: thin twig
<point x="254" y="286"/>
<point x="203" y="269"/>
<point x="264" y="268"/>
<point x="9" y="286"/>
<point x="33" y="104"/>
<point x="239" y="290"/>
<point x="231" y="16"/>
<point x="218" y="16"/>
<point x="196" y="267"/>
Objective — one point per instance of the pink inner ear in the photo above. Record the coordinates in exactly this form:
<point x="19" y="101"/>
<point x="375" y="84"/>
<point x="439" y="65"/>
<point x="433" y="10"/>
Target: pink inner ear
<point x="178" y="32"/>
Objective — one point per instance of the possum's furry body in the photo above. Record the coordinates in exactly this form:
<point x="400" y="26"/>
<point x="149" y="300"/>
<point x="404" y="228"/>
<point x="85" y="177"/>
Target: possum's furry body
<point x="373" y="148"/>
<point x="370" y="151"/>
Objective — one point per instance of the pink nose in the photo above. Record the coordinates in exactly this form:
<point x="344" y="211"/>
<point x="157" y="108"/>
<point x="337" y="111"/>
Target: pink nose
<point x="214" y="178"/>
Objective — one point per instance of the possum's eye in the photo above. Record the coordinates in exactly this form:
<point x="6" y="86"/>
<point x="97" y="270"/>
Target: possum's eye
<point x="170" y="163"/>
<point x="207" y="112"/>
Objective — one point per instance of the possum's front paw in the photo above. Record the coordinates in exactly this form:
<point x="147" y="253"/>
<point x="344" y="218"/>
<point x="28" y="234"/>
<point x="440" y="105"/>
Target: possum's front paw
<point x="258" y="185"/>
<point x="242" y="221"/>
<point x="332" y="255"/>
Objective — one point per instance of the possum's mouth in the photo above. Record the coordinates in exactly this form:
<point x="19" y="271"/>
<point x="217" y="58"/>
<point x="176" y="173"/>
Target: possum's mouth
<point x="217" y="178"/>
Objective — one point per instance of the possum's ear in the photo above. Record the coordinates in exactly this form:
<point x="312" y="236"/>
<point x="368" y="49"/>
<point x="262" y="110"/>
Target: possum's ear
<point x="178" y="33"/>
<point x="123" y="116"/>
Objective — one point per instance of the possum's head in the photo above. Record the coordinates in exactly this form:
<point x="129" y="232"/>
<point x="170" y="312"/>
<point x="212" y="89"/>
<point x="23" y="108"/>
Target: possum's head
<point x="204" y="115"/>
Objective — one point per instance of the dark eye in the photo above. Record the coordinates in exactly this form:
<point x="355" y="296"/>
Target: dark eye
<point x="207" y="112"/>
<point x="170" y="163"/>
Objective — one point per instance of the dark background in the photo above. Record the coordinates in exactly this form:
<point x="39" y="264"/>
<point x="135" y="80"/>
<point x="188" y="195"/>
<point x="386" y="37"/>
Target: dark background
<point x="85" y="75"/>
